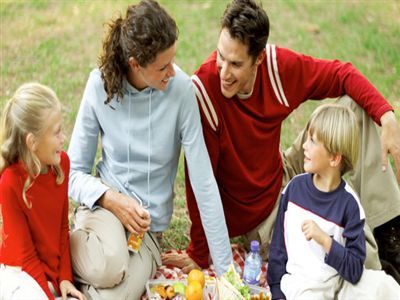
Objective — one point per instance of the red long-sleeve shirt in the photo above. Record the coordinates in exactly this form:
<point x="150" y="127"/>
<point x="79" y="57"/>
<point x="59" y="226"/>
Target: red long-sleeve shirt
<point x="243" y="135"/>
<point x="36" y="239"/>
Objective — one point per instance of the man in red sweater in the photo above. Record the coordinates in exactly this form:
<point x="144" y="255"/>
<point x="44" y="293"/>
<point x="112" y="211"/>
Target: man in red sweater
<point x="245" y="89"/>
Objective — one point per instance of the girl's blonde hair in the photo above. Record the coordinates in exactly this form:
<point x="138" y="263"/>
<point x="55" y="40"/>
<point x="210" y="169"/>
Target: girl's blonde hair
<point x="25" y="113"/>
<point x="336" y="127"/>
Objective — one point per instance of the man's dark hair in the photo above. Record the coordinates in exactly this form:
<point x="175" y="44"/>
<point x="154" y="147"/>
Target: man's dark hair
<point x="247" y="22"/>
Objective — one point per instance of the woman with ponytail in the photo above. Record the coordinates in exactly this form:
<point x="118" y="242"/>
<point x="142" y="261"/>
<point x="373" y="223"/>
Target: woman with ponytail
<point x="142" y="109"/>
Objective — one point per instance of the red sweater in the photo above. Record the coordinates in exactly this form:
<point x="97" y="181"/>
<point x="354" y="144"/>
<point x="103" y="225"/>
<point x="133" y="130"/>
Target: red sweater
<point x="36" y="239"/>
<point x="243" y="135"/>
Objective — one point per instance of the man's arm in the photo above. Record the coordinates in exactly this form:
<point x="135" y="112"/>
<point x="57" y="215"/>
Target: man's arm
<point x="390" y="141"/>
<point x="304" y="77"/>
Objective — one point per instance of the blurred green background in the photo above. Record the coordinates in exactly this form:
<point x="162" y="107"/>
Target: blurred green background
<point x="57" y="43"/>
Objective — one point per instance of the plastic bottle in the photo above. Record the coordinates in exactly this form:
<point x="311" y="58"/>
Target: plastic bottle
<point x="252" y="265"/>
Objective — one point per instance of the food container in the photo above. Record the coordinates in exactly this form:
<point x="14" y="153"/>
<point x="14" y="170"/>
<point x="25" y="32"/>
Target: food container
<point x="151" y="286"/>
<point x="209" y="291"/>
<point x="226" y="291"/>
<point x="258" y="291"/>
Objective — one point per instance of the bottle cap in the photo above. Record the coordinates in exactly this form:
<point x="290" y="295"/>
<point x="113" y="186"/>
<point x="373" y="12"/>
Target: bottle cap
<point x="254" y="246"/>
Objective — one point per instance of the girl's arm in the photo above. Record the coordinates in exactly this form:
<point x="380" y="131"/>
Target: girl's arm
<point x="65" y="260"/>
<point x="18" y="248"/>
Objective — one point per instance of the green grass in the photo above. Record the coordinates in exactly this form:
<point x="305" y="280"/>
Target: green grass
<point x="58" y="43"/>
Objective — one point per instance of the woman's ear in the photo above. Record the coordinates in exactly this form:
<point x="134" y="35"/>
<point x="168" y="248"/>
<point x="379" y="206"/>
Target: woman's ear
<point x="31" y="141"/>
<point x="133" y="63"/>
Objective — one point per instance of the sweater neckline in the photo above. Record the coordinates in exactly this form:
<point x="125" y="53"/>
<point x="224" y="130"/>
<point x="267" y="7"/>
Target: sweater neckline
<point x="325" y="195"/>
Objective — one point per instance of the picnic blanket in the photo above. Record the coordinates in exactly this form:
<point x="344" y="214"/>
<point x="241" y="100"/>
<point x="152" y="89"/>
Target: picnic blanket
<point x="238" y="254"/>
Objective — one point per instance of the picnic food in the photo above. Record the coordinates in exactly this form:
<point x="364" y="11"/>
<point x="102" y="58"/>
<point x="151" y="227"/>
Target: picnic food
<point x="194" y="291"/>
<point x="166" y="292"/>
<point x="179" y="288"/>
<point x="231" y="287"/>
<point x="160" y="290"/>
<point x="260" y="296"/>
<point x="177" y="291"/>
<point x="135" y="241"/>
<point x="196" y="275"/>
<point x="170" y="291"/>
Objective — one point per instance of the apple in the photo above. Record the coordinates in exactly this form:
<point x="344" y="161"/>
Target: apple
<point x="179" y="288"/>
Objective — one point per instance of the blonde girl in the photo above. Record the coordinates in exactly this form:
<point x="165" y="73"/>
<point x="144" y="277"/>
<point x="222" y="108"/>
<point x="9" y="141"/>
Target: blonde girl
<point x="34" y="250"/>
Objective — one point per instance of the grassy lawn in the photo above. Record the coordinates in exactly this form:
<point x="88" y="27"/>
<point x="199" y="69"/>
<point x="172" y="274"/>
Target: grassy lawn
<point x="58" y="42"/>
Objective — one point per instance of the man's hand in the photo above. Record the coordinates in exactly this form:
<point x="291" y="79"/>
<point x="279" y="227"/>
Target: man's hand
<point x="312" y="231"/>
<point x="182" y="261"/>
<point x="390" y="141"/>
<point x="132" y="215"/>
<point x="67" y="288"/>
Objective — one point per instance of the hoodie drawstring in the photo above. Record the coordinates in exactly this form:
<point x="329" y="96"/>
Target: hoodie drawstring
<point x="129" y="138"/>
<point x="149" y="151"/>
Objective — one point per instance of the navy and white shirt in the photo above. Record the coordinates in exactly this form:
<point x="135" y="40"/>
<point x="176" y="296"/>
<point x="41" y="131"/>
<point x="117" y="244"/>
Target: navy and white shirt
<point x="338" y="213"/>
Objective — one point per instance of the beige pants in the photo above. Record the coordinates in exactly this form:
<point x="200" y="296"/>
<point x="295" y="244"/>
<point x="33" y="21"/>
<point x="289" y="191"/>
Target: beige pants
<point x="379" y="192"/>
<point x="101" y="261"/>
<point x="372" y="285"/>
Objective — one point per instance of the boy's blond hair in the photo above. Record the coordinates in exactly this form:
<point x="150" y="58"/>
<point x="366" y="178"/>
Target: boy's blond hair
<point x="336" y="127"/>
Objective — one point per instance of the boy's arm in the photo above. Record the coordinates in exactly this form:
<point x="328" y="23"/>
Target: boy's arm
<point x="278" y="255"/>
<point x="348" y="260"/>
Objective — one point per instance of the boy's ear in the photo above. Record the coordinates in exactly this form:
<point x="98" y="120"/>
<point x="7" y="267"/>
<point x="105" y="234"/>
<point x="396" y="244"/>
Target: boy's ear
<point x="336" y="159"/>
<point x="31" y="141"/>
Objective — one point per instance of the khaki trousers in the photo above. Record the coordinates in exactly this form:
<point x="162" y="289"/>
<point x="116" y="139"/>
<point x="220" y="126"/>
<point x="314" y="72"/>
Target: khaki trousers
<point x="378" y="191"/>
<point x="101" y="261"/>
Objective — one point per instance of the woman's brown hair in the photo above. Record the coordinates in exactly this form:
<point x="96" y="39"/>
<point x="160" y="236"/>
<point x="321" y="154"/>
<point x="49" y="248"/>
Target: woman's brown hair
<point x="146" y="30"/>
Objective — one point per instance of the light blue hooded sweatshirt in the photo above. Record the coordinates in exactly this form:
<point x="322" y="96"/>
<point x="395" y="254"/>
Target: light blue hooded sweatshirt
<point x="141" y="137"/>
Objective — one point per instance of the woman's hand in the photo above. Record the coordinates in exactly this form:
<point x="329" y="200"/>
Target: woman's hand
<point x="132" y="215"/>
<point x="67" y="288"/>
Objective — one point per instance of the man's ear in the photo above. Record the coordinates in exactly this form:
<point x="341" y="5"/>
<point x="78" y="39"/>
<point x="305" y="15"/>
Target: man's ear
<point x="260" y="57"/>
<point x="133" y="63"/>
<point x="30" y="141"/>
<point x="335" y="160"/>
